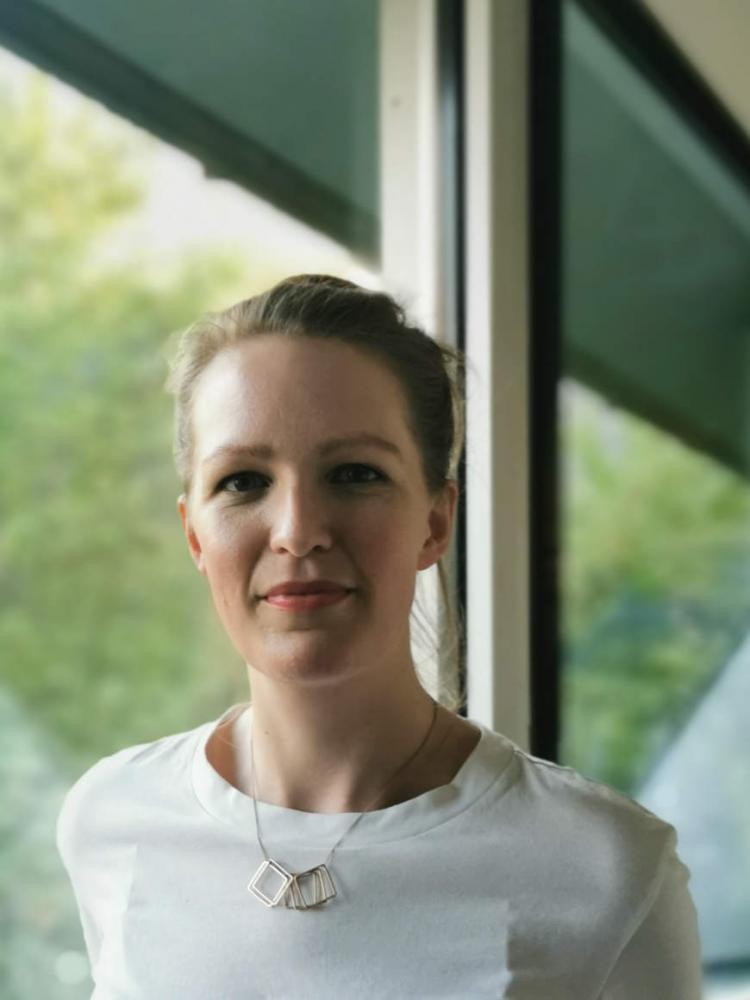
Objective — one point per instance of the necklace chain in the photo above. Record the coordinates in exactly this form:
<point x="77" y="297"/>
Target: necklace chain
<point x="348" y="830"/>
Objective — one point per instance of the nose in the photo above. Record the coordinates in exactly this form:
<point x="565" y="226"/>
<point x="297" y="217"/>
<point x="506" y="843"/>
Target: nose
<point x="300" y="520"/>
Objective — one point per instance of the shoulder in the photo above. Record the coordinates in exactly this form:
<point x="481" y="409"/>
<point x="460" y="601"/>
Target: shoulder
<point x="105" y="801"/>
<point x="571" y="796"/>
<point x="595" y="875"/>
<point x="583" y="831"/>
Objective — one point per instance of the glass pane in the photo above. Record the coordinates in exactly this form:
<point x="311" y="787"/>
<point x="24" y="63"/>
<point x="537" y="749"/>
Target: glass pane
<point x="655" y="458"/>
<point x="112" y="241"/>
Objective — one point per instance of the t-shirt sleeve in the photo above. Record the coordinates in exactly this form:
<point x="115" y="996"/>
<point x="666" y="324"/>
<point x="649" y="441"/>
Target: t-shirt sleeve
<point x="67" y="840"/>
<point x="661" y="959"/>
<point x="96" y="852"/>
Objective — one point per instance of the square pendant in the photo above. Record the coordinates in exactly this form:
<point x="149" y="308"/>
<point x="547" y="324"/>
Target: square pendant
<point x="272" y="875"/>
<point x="311" y="888"/>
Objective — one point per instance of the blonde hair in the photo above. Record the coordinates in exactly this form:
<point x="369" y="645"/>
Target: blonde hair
<point x="431" y="376"/>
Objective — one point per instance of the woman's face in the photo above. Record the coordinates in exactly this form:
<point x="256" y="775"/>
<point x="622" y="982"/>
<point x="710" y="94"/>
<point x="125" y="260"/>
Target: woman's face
<point x="358" y="514"/>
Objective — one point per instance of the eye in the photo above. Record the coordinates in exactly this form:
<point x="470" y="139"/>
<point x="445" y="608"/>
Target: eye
<point x="233" y="478"/>
<point x="379" y="477"/>
<point x="361" y="478"/>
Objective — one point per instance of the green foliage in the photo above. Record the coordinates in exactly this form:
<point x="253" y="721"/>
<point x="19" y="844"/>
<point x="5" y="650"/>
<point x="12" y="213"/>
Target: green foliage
<point x="106" y="630"/>
<point x="655" y="572"/>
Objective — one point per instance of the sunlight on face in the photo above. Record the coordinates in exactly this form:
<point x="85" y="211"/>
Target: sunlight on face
<point x="285" y="508"/>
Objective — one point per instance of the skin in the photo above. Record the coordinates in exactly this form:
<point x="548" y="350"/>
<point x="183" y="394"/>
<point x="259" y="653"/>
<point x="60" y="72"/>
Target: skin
<point x="341" y="679"/>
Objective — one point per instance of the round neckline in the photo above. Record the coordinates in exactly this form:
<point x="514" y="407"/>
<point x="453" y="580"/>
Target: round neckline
<point x="487" y="764"/>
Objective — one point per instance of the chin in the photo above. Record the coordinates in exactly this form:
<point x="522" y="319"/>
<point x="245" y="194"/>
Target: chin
<point x="302" y="658"/>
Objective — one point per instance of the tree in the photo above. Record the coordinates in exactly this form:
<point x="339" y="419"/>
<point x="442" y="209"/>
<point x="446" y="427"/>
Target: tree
<point x="656" y="561"/>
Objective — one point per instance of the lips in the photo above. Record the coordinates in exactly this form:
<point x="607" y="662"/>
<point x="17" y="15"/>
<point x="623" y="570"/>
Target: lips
<point x="309" y="602"/>
<point x="298" y="587"/>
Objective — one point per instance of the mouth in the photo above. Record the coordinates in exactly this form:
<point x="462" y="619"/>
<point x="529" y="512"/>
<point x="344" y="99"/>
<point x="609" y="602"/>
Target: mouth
<point x="307" y="602"/>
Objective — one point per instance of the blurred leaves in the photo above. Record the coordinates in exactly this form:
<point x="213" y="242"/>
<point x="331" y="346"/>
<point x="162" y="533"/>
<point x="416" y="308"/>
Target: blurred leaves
<point x="106" y="631"/>
<point x="654" y="580"/>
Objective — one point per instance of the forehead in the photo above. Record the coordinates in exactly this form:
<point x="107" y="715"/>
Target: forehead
<point x="294" y="392"/>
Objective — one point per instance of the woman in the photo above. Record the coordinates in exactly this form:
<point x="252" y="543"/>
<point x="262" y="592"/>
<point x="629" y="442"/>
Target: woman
<point x="343" y="835"/>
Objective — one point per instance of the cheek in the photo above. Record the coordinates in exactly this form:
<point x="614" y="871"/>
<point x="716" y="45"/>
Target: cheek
<point x="227" y="560"/>
<point x="388" y="559"/>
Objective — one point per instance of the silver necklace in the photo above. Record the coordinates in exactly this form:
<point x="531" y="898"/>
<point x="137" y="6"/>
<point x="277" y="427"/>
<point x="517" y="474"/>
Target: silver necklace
<point x="304" y="890"/>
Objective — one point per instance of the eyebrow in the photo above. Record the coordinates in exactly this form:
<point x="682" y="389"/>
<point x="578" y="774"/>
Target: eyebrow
<point x="265" y="451"/>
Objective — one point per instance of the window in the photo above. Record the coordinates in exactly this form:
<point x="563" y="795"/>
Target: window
<point x="655" y="454"/>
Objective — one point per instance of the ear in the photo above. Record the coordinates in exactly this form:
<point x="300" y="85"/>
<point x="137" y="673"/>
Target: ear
<point x="441" y="519"/>
<point x="194" y="545"/>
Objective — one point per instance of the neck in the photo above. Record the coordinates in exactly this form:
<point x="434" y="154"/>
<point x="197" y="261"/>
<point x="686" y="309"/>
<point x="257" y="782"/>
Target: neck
<point x="338" y="750"/>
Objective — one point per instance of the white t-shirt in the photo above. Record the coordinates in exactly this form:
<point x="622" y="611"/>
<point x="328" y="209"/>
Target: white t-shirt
<point x="519" y="879"/>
